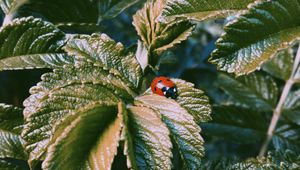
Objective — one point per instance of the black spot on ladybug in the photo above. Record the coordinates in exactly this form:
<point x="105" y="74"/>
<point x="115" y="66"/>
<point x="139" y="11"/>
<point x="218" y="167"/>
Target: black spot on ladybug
<point x="168" y="80"/>
<point x="159" y="81"/>
<point x="155" y="89"/>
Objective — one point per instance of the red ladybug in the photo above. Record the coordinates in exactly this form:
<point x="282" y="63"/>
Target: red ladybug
<point x="163" y="86"/>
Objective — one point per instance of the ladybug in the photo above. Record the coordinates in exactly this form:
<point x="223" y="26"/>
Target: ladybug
<point x="163" y="86"/>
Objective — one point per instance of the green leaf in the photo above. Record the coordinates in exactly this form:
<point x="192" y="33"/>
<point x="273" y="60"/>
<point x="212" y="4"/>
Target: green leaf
<point x="291" y="107"/>
<point x="60" y="94"/>
<point x="89" y="140"/>
<point x="281" y="65"/>
<point x="11" y="118"/>
<point x="148" y="145"/>
<point x="10" y="6"/>
<point x="277" y="160"/>
<point x="28" y="43"/>
<point x="11" y="144"/>
<point x="184" y="131"/>
<point x="158" y="37"/>
<point x="110" y="9"/>
<point x="7" y="165"/>
<point x="193" y="100"/>
<point x="104" y="52"/>
<point x="256" y="91"/>
<point x="237" y="124"/>
<point x="201" y="9"/>
<point x="257" y="35"/>
<point x="62" y="11"/>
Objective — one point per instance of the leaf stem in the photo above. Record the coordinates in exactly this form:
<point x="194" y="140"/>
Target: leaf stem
<point x="277" y="111"/>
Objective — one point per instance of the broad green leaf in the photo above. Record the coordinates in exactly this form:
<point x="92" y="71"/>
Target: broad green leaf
<point x="7" y="165"/>
<point x="158" y="37"/>
<point x="201" y="9"/>
<point x="287" y="137"/>
<point x="257" y="35"/>
<point x="62" y="92"/>
<point x="256" y="91"/>
<point x="281" y="65"/>
<point x="291" y="107"/>
<point x="28" y="43"/>
<point x="184" y="130"/>
<point x="75" y="14"/>
<point x="103" y="51"/>
<point x="193" y="100"/>
<point x="62" y="11"/>
<point x="237" y="124"/>
<point x="11" y="118"/>
<point x="109" y="9"/>
<point x="10" y="6"/>
<point x="89" y="139"/>
<point x="11" y="144"/>
<point x="148" y="145"/>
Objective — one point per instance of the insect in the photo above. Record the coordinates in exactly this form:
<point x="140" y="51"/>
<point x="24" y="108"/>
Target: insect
<point x="163" y="86"/>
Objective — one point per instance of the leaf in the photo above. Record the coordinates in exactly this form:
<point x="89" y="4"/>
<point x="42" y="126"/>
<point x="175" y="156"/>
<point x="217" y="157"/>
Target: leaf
<point x="281" y="65"/>
<point x="201" y="9"/>
<point x="7" y="165"/>
<point x="237" y="124"/>
<point x="184" y="131"/>
<point x="10" y="6"/>
<point x="193" y="100"/>
<point x="291" y="107"/>
<point x="158" y="37"/>
<point x="255" y="91"/>
<point x="11" y="118"/>
<point x="257" y="35"/>
<point x="62" y="11"/>
<point x="148" y="145"/>
<point x="103" y="51"/>
<point x="29" y="43"/>
<point x="89" y="140"/>
<point x="277" y="160"/>
<point x="11" y="144"/>
<point x="110" y="9"/>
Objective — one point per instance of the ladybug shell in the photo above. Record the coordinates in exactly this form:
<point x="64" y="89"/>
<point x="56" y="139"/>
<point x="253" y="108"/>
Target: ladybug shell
<point x="163" y="86"/>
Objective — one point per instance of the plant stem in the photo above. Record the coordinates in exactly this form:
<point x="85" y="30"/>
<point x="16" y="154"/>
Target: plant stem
<point x="277" y="111"/>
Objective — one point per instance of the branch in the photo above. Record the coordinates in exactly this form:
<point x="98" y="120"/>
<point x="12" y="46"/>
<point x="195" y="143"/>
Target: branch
<point x="277" y="112"/>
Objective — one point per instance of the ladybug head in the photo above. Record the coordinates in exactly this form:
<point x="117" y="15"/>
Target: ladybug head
<point x="171" y="92"/>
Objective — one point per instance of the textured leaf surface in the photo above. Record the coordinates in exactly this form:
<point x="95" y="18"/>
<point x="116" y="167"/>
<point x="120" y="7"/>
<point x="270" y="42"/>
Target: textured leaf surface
<point x="103" y="51"/>
<point x="11" y="144"/>
<point x="148" y="142"/>
<point x="89" y="140"/>
<point x="278" y="161"/>
<point x="156" y="36"/>
<point x="193" y="100"/>
<point x="201" y="9"/>
<point x="62" y="92"/>
<point x="291" y="108"/>
<point x="254" y="91"/>
<point x="236" y="124"/>
<point x="257" y="35"/>
<point x="184" y="130"/>
<point x="281" y="65"/>
<point x="31" y="43"/>
<point x="11" y="118"/>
